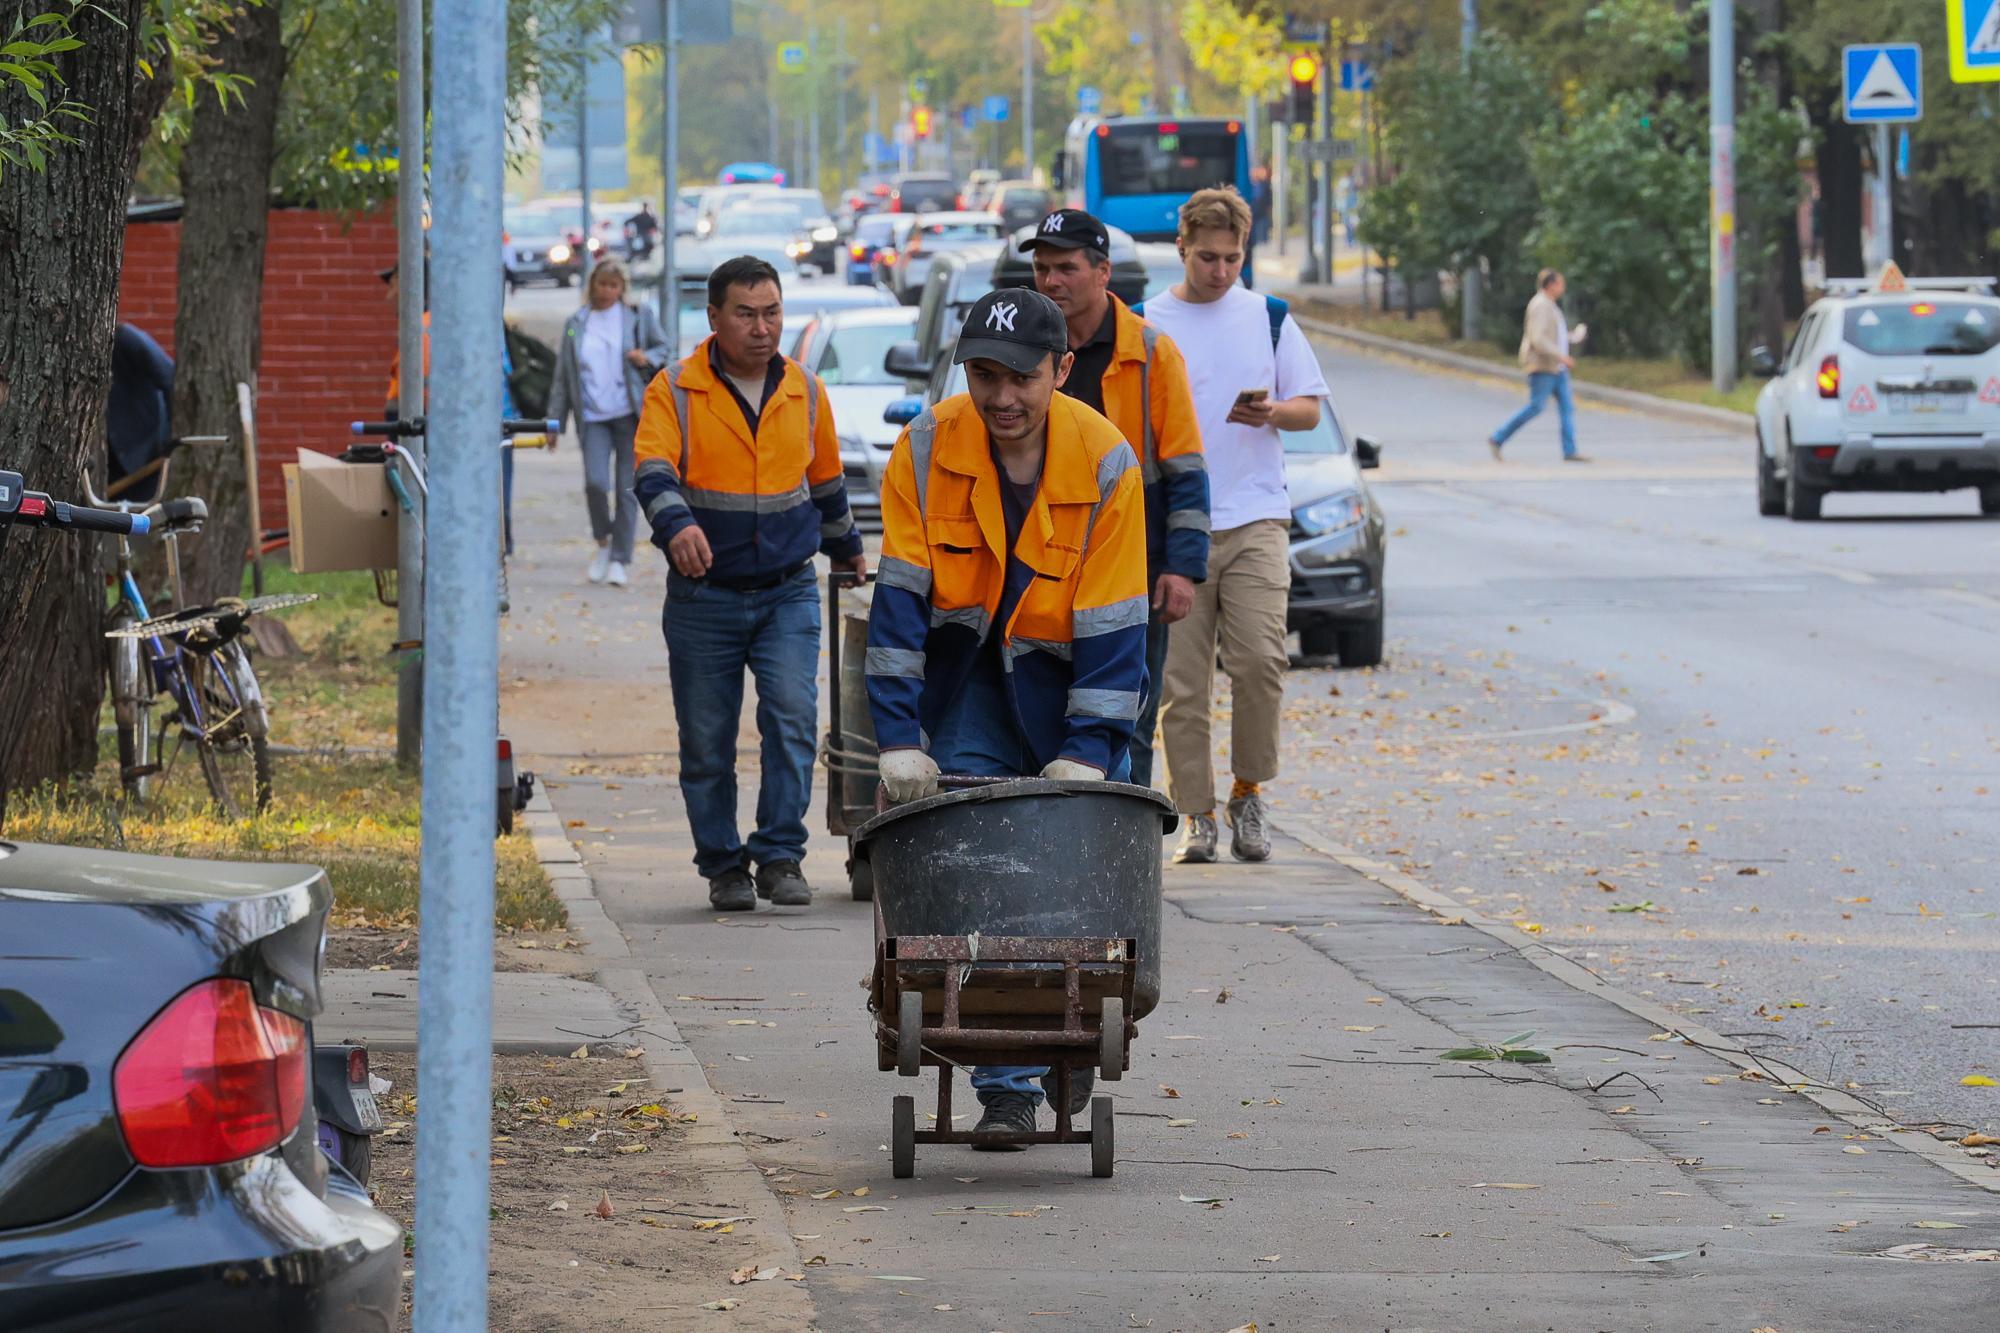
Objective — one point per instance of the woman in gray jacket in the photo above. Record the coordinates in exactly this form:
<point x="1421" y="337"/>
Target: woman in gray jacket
<point x="610" y="350"/>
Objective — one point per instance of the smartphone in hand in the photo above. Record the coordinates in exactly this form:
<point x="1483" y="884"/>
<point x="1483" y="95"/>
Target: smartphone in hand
<point x="1248" y="396"/>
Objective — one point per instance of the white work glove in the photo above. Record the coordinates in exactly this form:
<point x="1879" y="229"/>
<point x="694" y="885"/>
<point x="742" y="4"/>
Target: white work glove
<point x="1069" y="770"/>
<point x="908" y="775"/>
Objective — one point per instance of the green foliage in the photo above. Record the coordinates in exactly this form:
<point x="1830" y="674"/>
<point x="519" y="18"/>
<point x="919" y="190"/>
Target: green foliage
<point x="27" y="61"/>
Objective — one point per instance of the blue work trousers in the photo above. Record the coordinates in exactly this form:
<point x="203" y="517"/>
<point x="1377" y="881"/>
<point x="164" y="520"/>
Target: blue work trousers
<point x="1145" y="731"/>
<point x="978" y="737"/>
<point x="713" y="634"/>
<point x="1541" y="385"/>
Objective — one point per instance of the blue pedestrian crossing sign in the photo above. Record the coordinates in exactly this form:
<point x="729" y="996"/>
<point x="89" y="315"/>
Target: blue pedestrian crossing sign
<point x="1882" y="83"/>
<point x="1089" y="101"/>
<point x="997" y="108"/>
<point x="1974" y="26"/>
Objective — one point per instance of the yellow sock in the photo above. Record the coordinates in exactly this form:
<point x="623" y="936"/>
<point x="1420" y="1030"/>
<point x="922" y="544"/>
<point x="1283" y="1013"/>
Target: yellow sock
<point x="1241" y="789"/>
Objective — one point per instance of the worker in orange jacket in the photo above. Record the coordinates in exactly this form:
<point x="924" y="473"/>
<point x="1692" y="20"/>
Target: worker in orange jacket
<point x="1008" y="632"/>
<point x="1133" y="374"/>
<point x="739" y="475"/>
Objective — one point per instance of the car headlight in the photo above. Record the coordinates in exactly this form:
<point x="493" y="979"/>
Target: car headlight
<point x="826" y="234"/>
<point x="797" y="248"/>
<point x="559" y="253"/>
<point x="1342" y="510"/>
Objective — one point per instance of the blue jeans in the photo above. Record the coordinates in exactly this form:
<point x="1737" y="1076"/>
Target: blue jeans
<point x="712" y="635"/>
<point x="1147" y="727"/>
<point x="1541" y="384"/>
<point x="978" y="737"/>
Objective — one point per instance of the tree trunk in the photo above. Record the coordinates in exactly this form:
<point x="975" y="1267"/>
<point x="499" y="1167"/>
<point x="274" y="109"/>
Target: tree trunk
<point x="62" y="242"/>
<point x="226" y="189"/>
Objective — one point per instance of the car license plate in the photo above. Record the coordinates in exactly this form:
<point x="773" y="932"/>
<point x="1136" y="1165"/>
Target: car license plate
<point x="1922" y="403"/>
<point x="365" y="1108"/>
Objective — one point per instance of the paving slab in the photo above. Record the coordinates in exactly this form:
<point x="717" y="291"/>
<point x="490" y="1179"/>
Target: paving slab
<point x="532" y="1011"/>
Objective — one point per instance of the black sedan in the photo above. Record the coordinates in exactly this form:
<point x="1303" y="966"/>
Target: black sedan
<point x="539" y="245"/>
<point x="159" y="1162"/>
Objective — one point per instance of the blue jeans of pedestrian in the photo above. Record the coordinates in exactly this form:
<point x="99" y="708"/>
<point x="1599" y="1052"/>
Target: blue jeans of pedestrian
<point x="713" y="634"/>
<point x="1542" y="384"/>
<point x="978" y="737"/>
<point x="1146" y="730"/>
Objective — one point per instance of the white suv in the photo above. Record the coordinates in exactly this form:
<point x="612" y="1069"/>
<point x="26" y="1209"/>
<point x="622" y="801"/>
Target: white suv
<point x="1889" y="386"/>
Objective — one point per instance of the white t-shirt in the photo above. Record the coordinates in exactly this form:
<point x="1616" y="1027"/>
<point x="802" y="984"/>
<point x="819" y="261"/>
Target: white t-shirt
<point x="606" y="396"/>
<point x="1227" y="345"/>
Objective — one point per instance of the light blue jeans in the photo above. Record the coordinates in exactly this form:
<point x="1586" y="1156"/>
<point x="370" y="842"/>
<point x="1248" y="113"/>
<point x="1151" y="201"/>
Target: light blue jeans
<point x="713" y="634"/>
<point x="978" y="737"/>
<point x="1542" y="384"/>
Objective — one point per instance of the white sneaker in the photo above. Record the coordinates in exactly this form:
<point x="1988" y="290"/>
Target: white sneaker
<point x="600" y="564"/>
<point x="615" y="576"/>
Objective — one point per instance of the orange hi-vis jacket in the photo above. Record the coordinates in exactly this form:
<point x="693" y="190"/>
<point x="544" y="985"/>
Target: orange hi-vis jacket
<point x="1074" y="649"/>
<point x="766" y="499"/>
<point x="1146" y="395"/>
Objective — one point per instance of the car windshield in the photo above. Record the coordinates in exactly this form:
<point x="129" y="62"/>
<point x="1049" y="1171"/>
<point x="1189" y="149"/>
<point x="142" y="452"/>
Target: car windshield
<point x="854" y="354"/>
<point x="927" y="196"/>
<point x="969" y="284"/>
<point x="1023" y="200"/>
<point x="537" y="222"/>
<point x="943" y="234"/>
<point x="756" y="222"/>
<point x="874" y="229"/>
<point x="1323" y="438"/>
<point x="1168" y="158"/>
<point x="1923" y="328"/>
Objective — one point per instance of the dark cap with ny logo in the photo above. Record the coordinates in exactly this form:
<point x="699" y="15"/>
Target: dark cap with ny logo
<point x="1016" y="326"/>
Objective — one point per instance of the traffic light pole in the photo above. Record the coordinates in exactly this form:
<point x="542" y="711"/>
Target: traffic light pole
<point x="1470" y="283"/>
<point x="670" y="160"/>
<point x="410" y="293"/>
<point x="1027" y="93"/>
<point x="1722" y="192"/>
<point x="1326" y="76"/>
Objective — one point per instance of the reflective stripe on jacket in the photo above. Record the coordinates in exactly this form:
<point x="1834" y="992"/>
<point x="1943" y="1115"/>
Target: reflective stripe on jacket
<point x="1075" y="648"/>
<point x="765" y="503"/>
<point x="1146" y="395"/>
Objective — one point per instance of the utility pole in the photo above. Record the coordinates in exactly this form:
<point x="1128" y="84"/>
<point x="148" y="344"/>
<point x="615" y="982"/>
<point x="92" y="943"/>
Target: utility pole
<point x="1328" y="73"/>
<point x="1470" y="283"/>
<point x="1722" y="191"/>
<point x="670" y="159"/>
<point x="840" y="141"/>
<point x="1881" y="199"/>
<point x="812" y="99"/>
<point x="462" y="675"/>
<point x="583" y="157"/>
<point x="410" y="353"/>
<point x="1027" y="93"/>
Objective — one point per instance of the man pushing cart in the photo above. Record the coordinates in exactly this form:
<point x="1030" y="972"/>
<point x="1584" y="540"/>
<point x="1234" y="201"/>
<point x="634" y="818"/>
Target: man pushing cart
<point x="1007" y="639"/>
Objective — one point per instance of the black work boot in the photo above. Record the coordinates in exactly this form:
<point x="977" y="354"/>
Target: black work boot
<point x="1007" y="1113"/>
<point x="732" y="891"/>
<point x="1082" y="1082"/>
<point x="784" y="884"/>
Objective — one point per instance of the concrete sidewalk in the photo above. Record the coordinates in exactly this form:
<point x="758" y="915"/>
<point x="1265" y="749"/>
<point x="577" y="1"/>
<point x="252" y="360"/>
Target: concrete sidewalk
<point x="1318" y="1166"/>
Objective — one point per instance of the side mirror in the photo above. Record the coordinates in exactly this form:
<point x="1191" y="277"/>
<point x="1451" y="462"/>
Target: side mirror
<point x="1763" y="362"/>
<point x="904" y="410"/>
<point x="905" y="361"/>
<point x="1367" y="453"/>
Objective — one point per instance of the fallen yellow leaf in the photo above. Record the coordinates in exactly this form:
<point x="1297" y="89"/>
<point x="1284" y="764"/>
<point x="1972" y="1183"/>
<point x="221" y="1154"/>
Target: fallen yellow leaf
<point x="1978" y="1081"/>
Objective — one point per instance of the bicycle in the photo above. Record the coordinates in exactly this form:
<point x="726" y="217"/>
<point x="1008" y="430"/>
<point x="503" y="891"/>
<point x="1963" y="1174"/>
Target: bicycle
<point x="192" y="656"/>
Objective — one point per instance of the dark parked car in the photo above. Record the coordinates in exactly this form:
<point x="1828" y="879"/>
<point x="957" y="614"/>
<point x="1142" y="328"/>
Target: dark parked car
<point x="1129" y="278"/>
<point x="871" y="233"/>
<point x="541" y="244"/>
<point x="159" y="1164"/>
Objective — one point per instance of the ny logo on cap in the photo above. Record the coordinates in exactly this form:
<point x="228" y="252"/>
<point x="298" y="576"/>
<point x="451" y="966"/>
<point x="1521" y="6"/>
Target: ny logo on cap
<point x="1053" y="222"/>
<point x="1001" y="316"/>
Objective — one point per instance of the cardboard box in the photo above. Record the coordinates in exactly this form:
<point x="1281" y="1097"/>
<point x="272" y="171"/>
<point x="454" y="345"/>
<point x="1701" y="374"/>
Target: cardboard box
<point x="342" y="515"/>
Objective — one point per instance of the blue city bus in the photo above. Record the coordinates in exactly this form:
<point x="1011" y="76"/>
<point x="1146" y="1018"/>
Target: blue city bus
<point x="1134" y="172"/>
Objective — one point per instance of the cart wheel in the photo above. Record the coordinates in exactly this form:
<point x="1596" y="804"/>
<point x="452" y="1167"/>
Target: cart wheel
<point x="1111" y="1041"/>
<point x="861" y="879"/>
<point x="903" y="1138"/>
<point x="1103" y="1146"/>
<point x="910" y="1034"/>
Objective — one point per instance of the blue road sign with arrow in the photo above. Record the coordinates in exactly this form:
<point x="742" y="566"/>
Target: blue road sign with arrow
<point x="997" y="108"/>
<point x="1882" y="83"/>
<point x="1357" y="76"/>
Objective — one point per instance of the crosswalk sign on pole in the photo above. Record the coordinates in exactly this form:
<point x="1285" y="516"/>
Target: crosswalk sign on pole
<point x="1882" y="83"/>
<point x="1974" y="28"/>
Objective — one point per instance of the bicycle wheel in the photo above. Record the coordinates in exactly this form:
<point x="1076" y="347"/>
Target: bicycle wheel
<point x="131" y="706"/>
<point x="235" y="744"/>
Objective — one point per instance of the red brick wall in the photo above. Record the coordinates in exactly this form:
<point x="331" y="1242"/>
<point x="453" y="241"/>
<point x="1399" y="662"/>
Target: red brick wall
<point x="329" y="330"/>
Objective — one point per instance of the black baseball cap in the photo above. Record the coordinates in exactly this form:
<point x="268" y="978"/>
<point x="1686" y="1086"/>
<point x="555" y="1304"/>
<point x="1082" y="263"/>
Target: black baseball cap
<point x="1016" y="326"/>
<point x="1069" y="229"/>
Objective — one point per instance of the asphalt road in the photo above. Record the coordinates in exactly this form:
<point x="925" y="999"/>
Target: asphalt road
<point x="1794" y="772"/>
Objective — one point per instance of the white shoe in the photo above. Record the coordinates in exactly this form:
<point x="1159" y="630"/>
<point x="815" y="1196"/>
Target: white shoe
<point x="600" y="564"/>
<point x="615" y="576"/>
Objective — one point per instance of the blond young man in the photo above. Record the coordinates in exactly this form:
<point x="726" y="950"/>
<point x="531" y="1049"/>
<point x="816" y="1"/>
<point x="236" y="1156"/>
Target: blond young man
<point x="1253" y="375"/>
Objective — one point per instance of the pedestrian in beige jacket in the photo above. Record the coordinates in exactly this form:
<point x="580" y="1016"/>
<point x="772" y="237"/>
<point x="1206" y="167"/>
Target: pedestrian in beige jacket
<point x="1545" y="344"/>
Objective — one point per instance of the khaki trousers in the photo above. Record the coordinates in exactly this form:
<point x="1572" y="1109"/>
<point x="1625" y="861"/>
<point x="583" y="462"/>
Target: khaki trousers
<point x="1241" y="610"/>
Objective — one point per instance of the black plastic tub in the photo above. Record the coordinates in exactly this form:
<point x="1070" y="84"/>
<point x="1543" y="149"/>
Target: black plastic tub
<point x="1032" y="857"/>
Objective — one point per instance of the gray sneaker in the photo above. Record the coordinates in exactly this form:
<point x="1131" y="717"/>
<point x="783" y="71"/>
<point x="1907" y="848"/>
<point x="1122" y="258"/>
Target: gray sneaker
<point x="732" y="891"/>
<point x="1197" y="841"/>
<point x="1249" y="833"/>
<point x="784" y="884"/>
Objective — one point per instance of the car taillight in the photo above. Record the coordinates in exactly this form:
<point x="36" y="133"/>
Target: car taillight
<point x="858" y="251"/>
<point x="357" y="1066"/>
<point x="958" y="202"/>
<point x="1825" y="452"/>
<point x="213" y="1078"/>
<point x="886" y="256"/>
<point x="1828" y="378"/>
